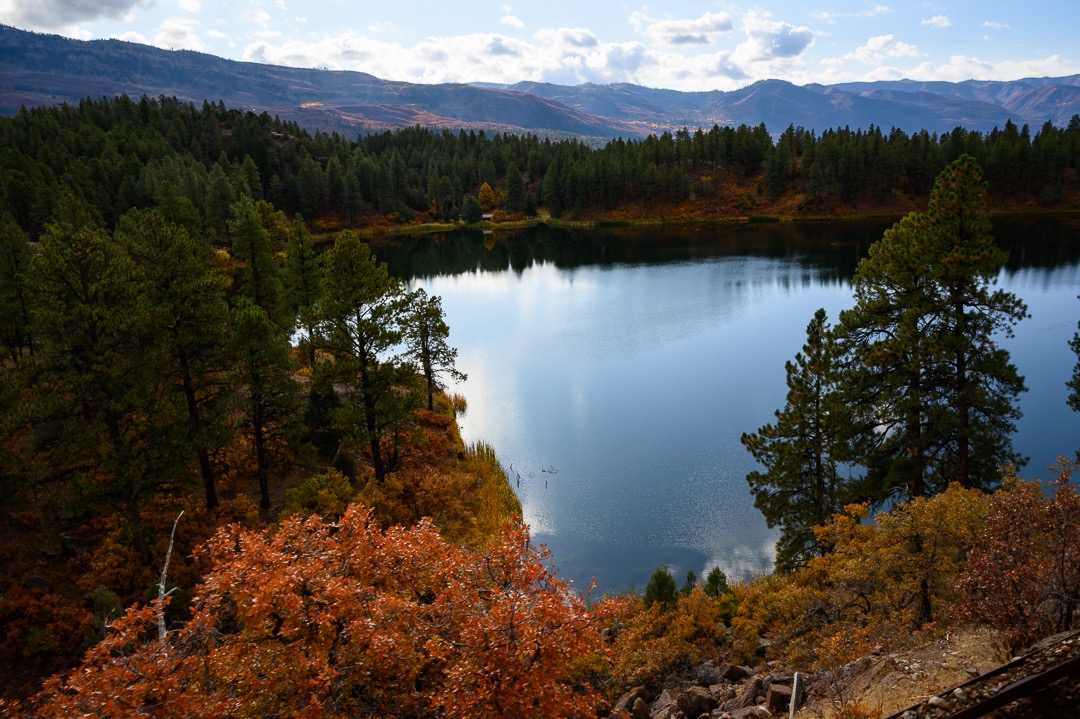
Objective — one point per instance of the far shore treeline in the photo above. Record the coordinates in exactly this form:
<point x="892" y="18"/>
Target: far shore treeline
<point x="115" y="154"/>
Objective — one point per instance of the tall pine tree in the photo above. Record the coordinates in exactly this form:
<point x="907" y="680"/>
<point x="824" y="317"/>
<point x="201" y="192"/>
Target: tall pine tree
<point x="803" y="452"/>
<point x="935" y="393"/>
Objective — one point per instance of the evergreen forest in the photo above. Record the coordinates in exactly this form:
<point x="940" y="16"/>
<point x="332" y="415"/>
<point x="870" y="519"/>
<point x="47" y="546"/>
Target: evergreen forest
<point x="232" y="482"/>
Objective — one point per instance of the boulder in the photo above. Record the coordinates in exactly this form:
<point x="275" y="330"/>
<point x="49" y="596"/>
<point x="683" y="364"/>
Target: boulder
<point x="748" y="695"/>
<point x="626" y="702"/>
<point x="734" y="672"/>
<point x="707" y="674"/>
<point x="722" y="692"/>
<point x="778" y="698"/>
<point x="665" y="706"/>
<point x="753" y="712"/>
<point x="640" y="709"/>
<point x="696" y="701"/>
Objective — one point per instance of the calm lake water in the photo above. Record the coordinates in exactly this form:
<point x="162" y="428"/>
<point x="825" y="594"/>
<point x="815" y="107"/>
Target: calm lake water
<point x="614" y="371"/>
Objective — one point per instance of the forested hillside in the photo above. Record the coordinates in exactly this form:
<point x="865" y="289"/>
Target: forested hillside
<point x="116" y="153"/>
<point x="188" y="362"/>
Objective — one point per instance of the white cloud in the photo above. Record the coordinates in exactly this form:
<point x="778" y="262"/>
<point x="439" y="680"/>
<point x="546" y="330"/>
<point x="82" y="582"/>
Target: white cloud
<point x="961" y="67"/>
<point x="189" y="5"/>
<point x="132" y="36"/>
<point x="54" y="14"/>
<point x="258" y="16"/>
<point x="770" y="40"/>
<point x="996" y="25"/>
<point x="178" y="34"/>
<point x="831" y="18"/>
<point x="880" y="47"/>
<point x="512" y="21"/>
<point x="383" y="28"/>
<point x="697" y="31"/>
<point x="938" y="21"/>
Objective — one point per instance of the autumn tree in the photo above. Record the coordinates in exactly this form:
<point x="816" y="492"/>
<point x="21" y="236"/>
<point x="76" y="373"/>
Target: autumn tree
<point x="361" y="310"/>
<point x="425" y="337"/>
<point x="934" y="391"/>
<point x="487" y="198"/>
<point x="803" y="452"/>
<point x="1023" y="574"/>
<point x="345" y="620"/>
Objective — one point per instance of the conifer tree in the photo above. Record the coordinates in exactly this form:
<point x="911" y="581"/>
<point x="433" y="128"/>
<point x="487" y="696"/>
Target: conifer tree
<point x="303" y="275"/>
<point x="257" y="275"/>
<point x="15" y="254"/>
<point x="425" y="336"/>
<point x="188" y="328"/>
<point x="93" y="377"/>
<point x="935" y="393"/>
<point x="269" y="403"/>
<point x="803" y="452"/>
<point x="360" y="312"/>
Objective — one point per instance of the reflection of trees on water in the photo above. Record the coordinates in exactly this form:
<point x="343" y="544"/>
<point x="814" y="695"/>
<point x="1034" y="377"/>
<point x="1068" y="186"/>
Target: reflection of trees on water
<point x="829" y="249"/>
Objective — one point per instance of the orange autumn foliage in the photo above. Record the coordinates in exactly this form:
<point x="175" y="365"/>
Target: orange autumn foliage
<point x="323" y="619"/>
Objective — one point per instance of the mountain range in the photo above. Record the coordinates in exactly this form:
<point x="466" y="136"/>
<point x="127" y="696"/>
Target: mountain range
<point x="38" y="69"/>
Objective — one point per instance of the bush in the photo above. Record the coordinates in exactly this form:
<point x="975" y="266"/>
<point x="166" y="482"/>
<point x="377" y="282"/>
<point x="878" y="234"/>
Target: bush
<point x="326" y="494"/>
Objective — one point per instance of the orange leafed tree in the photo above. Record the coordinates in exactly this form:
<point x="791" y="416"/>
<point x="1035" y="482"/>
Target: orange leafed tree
<point x="344" y="619"/>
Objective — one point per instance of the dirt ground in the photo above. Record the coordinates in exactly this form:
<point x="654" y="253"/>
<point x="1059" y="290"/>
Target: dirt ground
<point x="892" y="682"/>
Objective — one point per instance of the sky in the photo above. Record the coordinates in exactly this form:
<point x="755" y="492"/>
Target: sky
<point x="681" y="45"/>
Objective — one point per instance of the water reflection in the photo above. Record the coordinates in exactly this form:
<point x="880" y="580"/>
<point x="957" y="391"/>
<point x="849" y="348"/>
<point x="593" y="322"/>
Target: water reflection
<point x="632" y="361"/>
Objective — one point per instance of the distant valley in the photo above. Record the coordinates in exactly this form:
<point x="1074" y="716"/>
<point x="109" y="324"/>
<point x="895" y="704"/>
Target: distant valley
<point x="38" y="69"/>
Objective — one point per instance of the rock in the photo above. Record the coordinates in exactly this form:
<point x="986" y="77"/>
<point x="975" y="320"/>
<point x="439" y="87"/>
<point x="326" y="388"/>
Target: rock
<point x="778" y="698"/>
<point x="626" y="701"/>
<point x="750" y="691"/>
<point x="696" y="701"/>
<point x="733" y="672"/>
<point x="722" y="692"/>
<point x="640" y="710"/>
<point x="782" y="676"/>
<point x="707" y="674"/>
<point x="664" y="707"/>
<point x="752" y="712"/>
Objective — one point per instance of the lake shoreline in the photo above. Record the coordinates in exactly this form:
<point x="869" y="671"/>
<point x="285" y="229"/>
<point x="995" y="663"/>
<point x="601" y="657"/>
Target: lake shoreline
<point x="381" y="233"/>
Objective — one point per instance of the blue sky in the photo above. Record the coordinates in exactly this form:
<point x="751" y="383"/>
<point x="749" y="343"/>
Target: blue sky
<point x="677" y="44"/>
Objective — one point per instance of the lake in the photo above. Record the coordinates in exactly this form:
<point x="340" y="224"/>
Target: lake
<point x="614" y="371"/>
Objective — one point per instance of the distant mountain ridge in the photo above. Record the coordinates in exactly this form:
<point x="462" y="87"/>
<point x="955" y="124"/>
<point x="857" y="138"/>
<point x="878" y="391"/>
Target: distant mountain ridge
<point x="38" y="69"/>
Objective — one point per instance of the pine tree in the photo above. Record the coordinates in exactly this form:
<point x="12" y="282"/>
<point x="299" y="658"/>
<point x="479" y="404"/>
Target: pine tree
<point x="803" y="452"/>
<point x="360" y="312"/>
<point x="94" y="374"/>
<point x="188" y="327"/>
<point x="425" y="337"/>
<point x="269" y="403"/>
<point x="935" y="394"/>
<point x="303" y="276"/>
<point x="15" y="254"/>
<point x="257" y="275"/>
